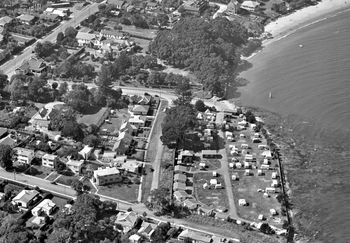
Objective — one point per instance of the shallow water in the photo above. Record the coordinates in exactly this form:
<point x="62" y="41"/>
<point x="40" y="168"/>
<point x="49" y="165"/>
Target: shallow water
<point x="312" y="85"/>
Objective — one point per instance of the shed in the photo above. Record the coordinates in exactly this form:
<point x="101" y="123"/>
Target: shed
<point x="235" y="177"/>
<point x="242" y="202"/>
<point x="231" y="165"/>
<point x="274" y="175"/>
<point x="247" y="172"/>
<point x="247" y="165"/>
<point x="273" y="212"/>
<point x="215" y="174"/>
<point x="213" y="181"/>
<point x="238" y="165"/>
<point x="270" y="190"/>
<point x="260" y="173"/>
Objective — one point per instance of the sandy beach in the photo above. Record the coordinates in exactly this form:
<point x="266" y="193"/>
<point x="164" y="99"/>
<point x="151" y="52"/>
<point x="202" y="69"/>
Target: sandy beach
<point x="287" y="25"/>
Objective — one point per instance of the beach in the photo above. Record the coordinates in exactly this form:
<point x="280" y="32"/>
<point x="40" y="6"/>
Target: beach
<point x="310" y="98"/>
<point x="288" y="24"/>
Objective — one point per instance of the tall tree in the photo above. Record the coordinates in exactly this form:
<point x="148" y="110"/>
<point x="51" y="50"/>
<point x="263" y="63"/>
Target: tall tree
<point x="5" y="156"/>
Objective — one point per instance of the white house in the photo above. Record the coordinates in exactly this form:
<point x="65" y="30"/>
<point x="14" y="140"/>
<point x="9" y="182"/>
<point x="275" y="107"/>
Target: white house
<point x="85" y="39"/>
<point x="250" y="6"/>
<point x="106" y="176"/>
<point x="273" y="212"/>
<point x="48" y="160"/>
<point x="86" y="152"/>
<point x="242" y="202"/>
<point x="75" y="165"/>
<point x="25" y="198"/>
<point x="45" y="207"/>
<point x="24" y="155"/>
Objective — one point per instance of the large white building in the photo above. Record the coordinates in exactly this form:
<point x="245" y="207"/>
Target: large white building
<point x="45" y="207"/>
<point x="24" y="155"/>
<point x="48" y="160"/>
<point x="107" y="176"/>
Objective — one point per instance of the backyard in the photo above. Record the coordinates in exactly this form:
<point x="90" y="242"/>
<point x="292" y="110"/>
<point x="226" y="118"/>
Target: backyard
<point x="126" y="192"/>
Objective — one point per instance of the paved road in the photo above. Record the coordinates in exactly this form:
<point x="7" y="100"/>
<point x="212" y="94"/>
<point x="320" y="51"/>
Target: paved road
<point x="227" y="179"/>
<point x="165" y="94"/>
<point x="9" y="67"/>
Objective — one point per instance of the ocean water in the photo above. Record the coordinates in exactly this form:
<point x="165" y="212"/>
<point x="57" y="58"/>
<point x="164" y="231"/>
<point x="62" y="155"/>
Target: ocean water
<point x="312" y="84"/>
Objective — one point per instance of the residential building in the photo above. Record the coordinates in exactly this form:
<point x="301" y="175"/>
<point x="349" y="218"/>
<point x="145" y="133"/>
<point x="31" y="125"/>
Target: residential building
<point x="135" y="238"/>
<point x="24" y="155"/>
<point x="45" y="207"/>
<point x="195" y="7"/>
<point x="5" y="21"/>
<point x="180" y="168"/>
<point x="205" y="210"/>
<point x="179" y="186"/>
<point x="42" y="118"/>
<point x="112" y="34"/>
<point x="191" y="204"/>
<point x="34" y="65"/>
<point x="232" y="7"/>
<point x="85" y="39"/>
<point x="86" y="152"/>
<point x="75" y="165"/>
<point x="194" y="236"/>
<point x="147" y="229"/>
<point x="127" y="220"/>
<point x="211" y="154"/>
<point x="122" y="144"/>
<point x="26" y="19"/>
<point x="137" y="121"/>
<point x="25" y="198"/>
<point x="48" y="160"/>
<point x="118" y="3"/>
<point x="140" y="109"/>
<point x="107" y="176"/>
<point x="180" y="178"/>
<point x="132" y="166"/>
<point x="180" y="195"/>
<point x="250" y="6"/>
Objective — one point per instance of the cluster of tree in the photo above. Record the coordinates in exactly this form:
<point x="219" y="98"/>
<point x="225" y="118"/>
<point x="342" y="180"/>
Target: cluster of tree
<point x="207" y="47"/>
<point x="23" y="87"/>
<point x="68" y="37"/>
<point x="76" y="69"/>
<point x="178" y="122"/>
<point x="93" y="22"/>
<point x="6" y="157"/>
<point x="87" y="223"/>
<point x="156" y="78"/>
<point x="50" y="51"/>
<point x="144" y="62"/>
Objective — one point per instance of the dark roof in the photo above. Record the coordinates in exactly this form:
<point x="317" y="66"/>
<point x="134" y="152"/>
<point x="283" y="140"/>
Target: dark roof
<point x="34" y="64"/>
<point x="43" y="112"/>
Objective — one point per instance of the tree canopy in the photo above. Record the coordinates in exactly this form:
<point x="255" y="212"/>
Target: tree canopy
<point x="5" y="156"/>
<point x="207" y="48"/>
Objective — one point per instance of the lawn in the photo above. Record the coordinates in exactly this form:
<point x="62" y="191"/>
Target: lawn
<point x="94" y="119"/>
<point x="53" y="176"/>
<point x="66" y="180"/>
<point x="246" y="188"/>
<point x="210" y="197"/>
<point x="211" y="164"/>
<point x="126" y="192"/>
<point x="60" y="202"/>
<point x="39" y="171"/>
<point x="167" y="169"/>
<point x="115" y="121"/>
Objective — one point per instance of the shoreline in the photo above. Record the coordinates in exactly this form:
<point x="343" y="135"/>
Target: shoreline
<point x="286" y="25"/>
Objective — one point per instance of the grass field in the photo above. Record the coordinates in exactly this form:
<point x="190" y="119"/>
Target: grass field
<point x="121" y="191"/>
<point x="147" y="183"/>
<point x="210" y="197"/>
<point x="39" y="171"/>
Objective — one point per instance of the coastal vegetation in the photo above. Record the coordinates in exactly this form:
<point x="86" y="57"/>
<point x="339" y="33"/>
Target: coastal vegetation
<point x="209" y="49"/>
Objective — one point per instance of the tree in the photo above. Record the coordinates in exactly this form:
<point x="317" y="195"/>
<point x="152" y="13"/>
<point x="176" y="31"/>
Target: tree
<point x="73" y="130"/>
<point x="44" y="49"/>
<point x="63" y="88"/>
<point x="78" y="186"/>
<point x="54" y="85"/>
<point x="161" y="200"/>
<point x="5" y="157"/>
<point x="70" y="32"/>
<point x="92" y="140"/>
<point x="59" y="166"/>
<point x="59" y="38"/>
<point x="3" y="80"/>
<point x="200" y="106"/>
<point x="250" y="117"/>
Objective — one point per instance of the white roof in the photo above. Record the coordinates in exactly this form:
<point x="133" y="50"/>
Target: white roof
<point x="85" y="36"/>
<point x="135" y="237"/>
<point x="250" y="4"/>
<point x="75" y="162"/>
<point x="49" y="156"/>
<point x="24" y="152"/>
<point x="136" y="119"/>
<point x="213" y="181"/>
<point x="86" y="149"/>
<point x="46" y="205"/>
<point x="106" y="171"/>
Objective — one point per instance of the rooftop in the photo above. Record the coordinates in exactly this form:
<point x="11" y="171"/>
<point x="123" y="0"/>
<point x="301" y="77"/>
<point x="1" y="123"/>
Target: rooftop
<point x="26" y="195"/>
<point x="106" y="171"/>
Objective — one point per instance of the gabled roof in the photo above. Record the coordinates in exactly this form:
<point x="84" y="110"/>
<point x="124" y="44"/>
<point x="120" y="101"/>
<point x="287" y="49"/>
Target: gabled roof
<point x="75" y="162"/>
<point x="128" y="218"/>
<point x="85" y="36"/>
<point x="5" y="20"/>
<point x="35" y="64"/>
<point x="26" y="17"/>
<point x="26" y="196"/>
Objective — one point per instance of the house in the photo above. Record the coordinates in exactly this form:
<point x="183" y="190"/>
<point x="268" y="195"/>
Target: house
<point x="34" y="65"/>
<point x="180" y="195"/>
<point x="242" y="202"/>
<point x="220" y="119"/>
<point x="140" y="109"/>
<point x="194" y="236"/>
<point x="75" y="165"/>
<point x="135" y="238"/>
<point x="24" y="155"/>
<point x="195" y="7"/>
<point x="5" y="21"/>
<point x="45" y="207"/>
<point x="250" y="6"/>
<point x="48" y="160"/>
<point x="132" y="166"/>
<point x="147" y="229"/>
<point x="42" y="118"/>
<point x="185" y="156"/>
<point x="273" y="212"/>
<point x="26" y="19"/>
<point x="86" y="152"/>
<point x="191" y="204"/>
<point x="211" y="154"/>
<point x="111" y="34"/>
<point x="107" y="176"/>
<point x="180" y="178"/>
<point x="85" y="39"/>
<point x="25" y="198"/>
<point x="221" y="216"/>
<point x="127" y="220"/>
<point x="50" y="17"/>
<point x="180" y="168"/>
<point x="8" y="140"/>
<point x="179" y="186"/>
<point x="122" y="144"/>
<point x="126" y="126"/>
<point x="118" y="3"/>
<point x="232" y="7"/>
<point x="205" y="211"/>
<point x="274" y="175"/>
<point x="137" y="121"/>
<point x="267" y="154"/>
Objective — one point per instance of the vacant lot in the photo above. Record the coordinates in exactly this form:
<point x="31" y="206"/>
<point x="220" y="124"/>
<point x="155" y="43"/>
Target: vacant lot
<point x="126" y="192"/>
<point x="211" y="164"/>
<point x="39" y="171"/>
<point x="211" y="197"/>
